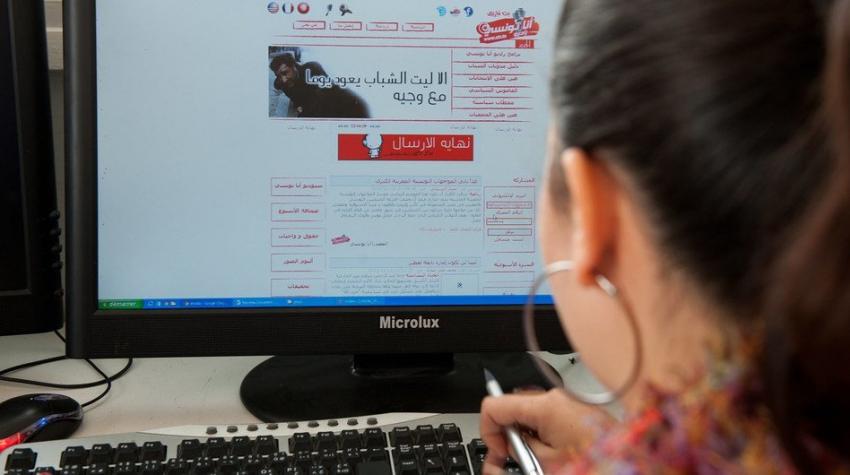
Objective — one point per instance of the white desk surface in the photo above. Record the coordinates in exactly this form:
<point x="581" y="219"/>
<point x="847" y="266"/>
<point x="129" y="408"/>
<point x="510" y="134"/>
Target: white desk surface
<point x="160" y="392"/>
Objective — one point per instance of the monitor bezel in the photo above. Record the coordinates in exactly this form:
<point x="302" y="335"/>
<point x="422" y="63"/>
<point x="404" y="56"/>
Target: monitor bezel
<point x="32" y="304"/>
<point x="234" y="332"/>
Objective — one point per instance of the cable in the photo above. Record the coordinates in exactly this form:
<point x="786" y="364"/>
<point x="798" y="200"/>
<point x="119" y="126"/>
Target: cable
<point x="45" y="384"/>
<point x="106" y="378"/>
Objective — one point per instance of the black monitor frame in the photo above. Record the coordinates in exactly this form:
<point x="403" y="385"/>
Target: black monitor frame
<point x="31" y="287"/>
<point x="140" y="333"/>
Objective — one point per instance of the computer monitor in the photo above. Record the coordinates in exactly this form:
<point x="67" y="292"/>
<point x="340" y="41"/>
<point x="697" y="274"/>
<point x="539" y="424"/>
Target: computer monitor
<point x="309" y="178"/>
<point x="30" y="262"/>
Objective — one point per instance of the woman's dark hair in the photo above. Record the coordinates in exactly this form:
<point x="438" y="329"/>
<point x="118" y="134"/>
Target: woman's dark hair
<point x="808" y="310"/>
<point x="719" y="112"/>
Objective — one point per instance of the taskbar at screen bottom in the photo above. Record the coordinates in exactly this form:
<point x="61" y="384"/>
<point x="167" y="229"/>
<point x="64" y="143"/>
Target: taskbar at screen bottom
<point x="300" y="302"/>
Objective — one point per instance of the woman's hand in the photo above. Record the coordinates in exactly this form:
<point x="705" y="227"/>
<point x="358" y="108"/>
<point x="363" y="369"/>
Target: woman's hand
<point x="556" y="427"/>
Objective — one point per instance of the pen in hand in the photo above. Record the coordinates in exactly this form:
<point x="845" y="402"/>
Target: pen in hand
<point x="525" y="457"/>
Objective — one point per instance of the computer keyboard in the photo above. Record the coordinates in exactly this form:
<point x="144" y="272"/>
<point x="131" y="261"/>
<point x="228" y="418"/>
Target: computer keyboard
<point x="403" y="444"/>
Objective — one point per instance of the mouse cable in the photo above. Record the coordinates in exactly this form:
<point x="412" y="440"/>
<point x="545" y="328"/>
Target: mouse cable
<point x="107" y="380"/>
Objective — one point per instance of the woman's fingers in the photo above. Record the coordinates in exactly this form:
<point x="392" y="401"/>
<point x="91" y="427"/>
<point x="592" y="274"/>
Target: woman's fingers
<point x="507" y="411"/>
<point x="555" y="425"/>
<point x="525" y="410"/>
<point x="550" y="458"/>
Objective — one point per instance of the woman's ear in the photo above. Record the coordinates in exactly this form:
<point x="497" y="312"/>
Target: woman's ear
<point x="593" y="199"/>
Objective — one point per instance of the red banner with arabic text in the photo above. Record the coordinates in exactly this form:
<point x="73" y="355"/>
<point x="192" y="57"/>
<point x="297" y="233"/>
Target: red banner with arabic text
<point x="406" y="147"/>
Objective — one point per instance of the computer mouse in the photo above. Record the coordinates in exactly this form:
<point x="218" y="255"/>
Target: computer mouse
<point x="38" y="417"/>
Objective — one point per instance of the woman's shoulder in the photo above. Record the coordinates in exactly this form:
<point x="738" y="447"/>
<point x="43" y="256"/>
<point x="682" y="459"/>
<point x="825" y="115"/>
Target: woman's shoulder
<point x="713" y="427"/>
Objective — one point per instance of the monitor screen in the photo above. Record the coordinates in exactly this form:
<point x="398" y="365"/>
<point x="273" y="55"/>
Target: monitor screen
<point x="256" y="154"/>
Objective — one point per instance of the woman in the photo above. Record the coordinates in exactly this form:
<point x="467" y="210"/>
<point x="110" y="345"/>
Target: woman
<point x="690" y="143"/>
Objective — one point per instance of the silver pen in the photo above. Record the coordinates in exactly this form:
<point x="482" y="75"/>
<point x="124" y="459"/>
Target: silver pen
<point x="525" y="457"/>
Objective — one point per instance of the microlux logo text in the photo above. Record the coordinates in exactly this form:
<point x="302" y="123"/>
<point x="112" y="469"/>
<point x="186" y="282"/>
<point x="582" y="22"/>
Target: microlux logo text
<point x="412" y="323"/>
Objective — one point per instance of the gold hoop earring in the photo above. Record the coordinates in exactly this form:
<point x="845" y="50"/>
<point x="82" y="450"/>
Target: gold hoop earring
<point x="595" y="399"/>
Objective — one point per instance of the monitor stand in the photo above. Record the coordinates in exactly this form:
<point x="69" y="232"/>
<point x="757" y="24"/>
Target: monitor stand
<point x="299" y="388"/>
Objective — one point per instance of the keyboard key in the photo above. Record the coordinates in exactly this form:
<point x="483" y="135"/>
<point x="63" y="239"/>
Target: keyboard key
<point x="99" y="469"/>
<point x="405" y="452"/>
<point x="153" y="451"/>
<point x="266" y="445"/>
<point x="325" y="441"/>
<point x="377" y="455"/>
<point x="328" y="458"/>
<point x="477" y="449"/>
<point x="21" y="458"/>
<point x="304" y="460"/>
<point x="352" y="456"/>
<point x="101" y="453"/>
<point x="241" y="446"/>
<point x="177" y="467"/>
<point x="125" y="468"/>
<point x="511" y="466"/>
<point x="292" y="470"/>
<point x="216" y="447"/>
<point x="426" y="435"/>
<point x="453" y="449"/>
<point x="449" y="433"/>
<point x="278" y="462"/>
<point x="429" y="450"/>
<point x="373" y="468"/>
<point x="456" y="464"/>
<point x="374" y="438"/>
<point x="407" y="467"/>
<point x="227" y="465"/>
<point x="432" y="464"/>
<point x="44" y="471"/>
<point x="203" y="466"/>
<point x="477" y="453"/>
<point x="190" y="449"/>
<point x="152" y="467"/>
<point x="127" y="452"/>
<point x="72" y="470"/>
<point x="76" y="455"/>
<point x="401" y="435"/>
<point x="300" y="442"/>
<point x="342" y="469"/>
<point x="253" y="464"/>
<point x="318" y="470"/>
<point x="349" y="439"/>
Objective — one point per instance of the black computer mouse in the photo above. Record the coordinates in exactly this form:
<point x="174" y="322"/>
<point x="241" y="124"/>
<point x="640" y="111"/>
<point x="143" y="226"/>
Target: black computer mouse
<point x="38" y="417"/>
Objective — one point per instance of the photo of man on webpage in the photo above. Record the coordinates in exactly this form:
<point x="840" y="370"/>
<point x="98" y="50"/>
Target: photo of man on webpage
<point x="309" y="89"/>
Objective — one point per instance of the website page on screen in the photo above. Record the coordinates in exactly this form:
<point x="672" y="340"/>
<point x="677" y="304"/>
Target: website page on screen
<point x="297" y="154"/>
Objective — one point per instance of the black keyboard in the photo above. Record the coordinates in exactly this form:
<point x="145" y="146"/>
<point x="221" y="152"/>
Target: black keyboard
<point x="402" y="444"/>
